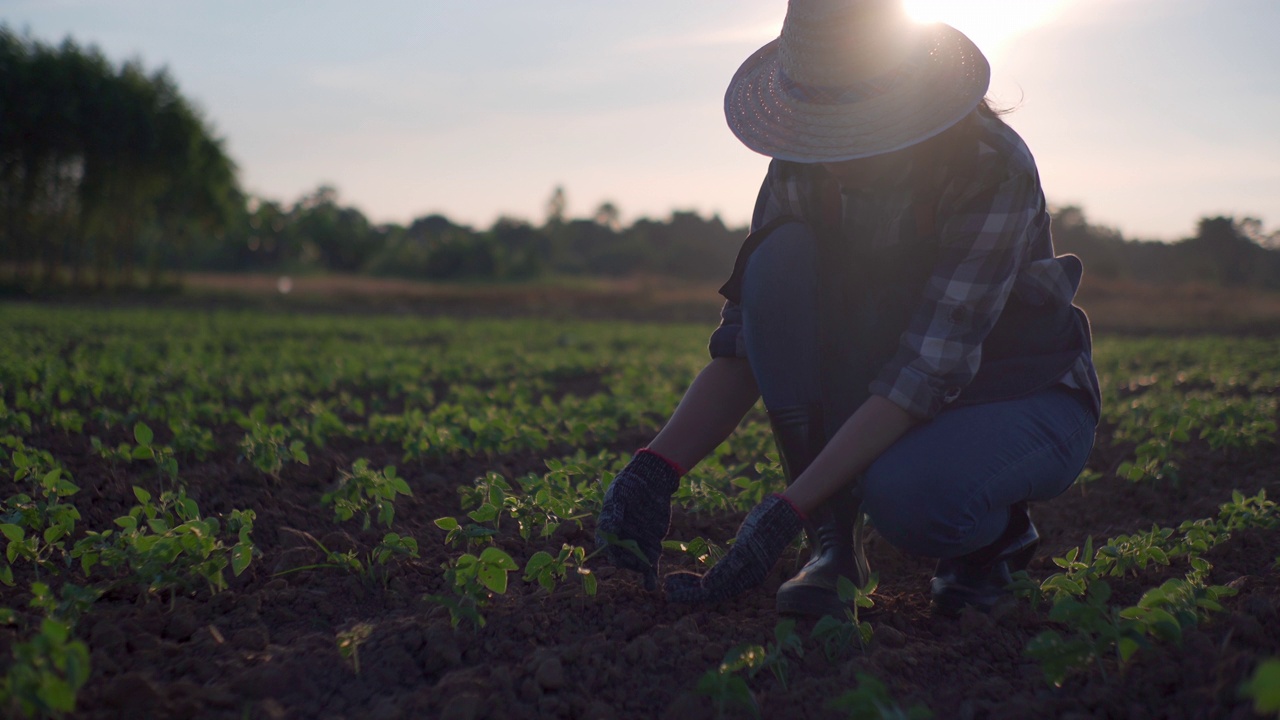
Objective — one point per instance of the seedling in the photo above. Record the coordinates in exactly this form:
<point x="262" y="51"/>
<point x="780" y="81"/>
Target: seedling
<point x="46" y="673"/>
<point x="269" y="445"/>
<point x="1264" y="688"/>
<point x="726" y="687"/>
<point x="473" y="580"/>
<point x="871" y="700"/>
<point x="349" y="642"/>
<point x="838" y="635"/>
<point x="368" y="493"/>
<point x="548" y="569"/>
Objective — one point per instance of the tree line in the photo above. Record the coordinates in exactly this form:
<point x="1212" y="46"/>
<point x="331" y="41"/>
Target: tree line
<point x="102" y="168"/>
<point x="109" y="177"/>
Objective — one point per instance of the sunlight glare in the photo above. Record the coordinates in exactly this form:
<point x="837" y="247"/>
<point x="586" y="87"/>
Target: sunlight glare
<point x="991" y="24"/>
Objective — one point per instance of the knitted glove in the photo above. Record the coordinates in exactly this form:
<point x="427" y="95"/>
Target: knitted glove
<point x="766" y="532"/>
<point x="637" y="506"/>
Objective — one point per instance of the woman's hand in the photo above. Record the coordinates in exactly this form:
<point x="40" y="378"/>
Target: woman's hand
<point x="637" y="507"/>
<point x="764" y="534"/>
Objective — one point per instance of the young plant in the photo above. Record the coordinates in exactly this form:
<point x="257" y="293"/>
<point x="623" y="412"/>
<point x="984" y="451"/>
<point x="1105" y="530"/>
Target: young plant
<point x="703" y="551"/>
<point x="1264" y="688"/>
<point x="1096" y="629"/>
<point x="785" y="643"/>
<point x="36" y="526"/>
<point x="725" y="685"/>
<point x="473" y="580"/>
<point x="74" y="602"/>
<point x="871" y="700"/>
<point x="838" y="635"/>
<point x="367" y="492"/>
<point x="269" y="446"/>
<point x="550" y="569"/>
<point x="167" y="545"/>
<point x="46" y="673"/>
<point x="349" y="642"/>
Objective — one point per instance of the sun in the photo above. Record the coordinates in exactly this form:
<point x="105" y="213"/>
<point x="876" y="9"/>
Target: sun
<point x="991" y="24"/>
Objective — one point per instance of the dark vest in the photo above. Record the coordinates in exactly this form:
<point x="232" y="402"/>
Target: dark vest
<point x="868" y="295"/>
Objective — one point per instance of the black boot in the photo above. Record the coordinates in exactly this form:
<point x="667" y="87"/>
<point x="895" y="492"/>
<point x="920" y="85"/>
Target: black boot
<point x="835" y="528"/>
<point x="981" y="578"/>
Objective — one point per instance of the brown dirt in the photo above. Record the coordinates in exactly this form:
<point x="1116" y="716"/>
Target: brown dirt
<point x="1113" y="305"/>
<point x="266" y="648"/>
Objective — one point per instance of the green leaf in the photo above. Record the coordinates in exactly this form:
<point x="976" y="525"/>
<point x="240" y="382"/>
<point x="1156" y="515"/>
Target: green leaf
<point x="1127" y="647"/>
<point x="13" y="532"/>
<point x="492" y="577"/>
<point x="55" y="693"/>
<point x="536" y="562"/>
<point x="484" y="513"/>
<point x="1264" y="687"/>
<point x="143" y="452"/>
<point x="143" y="496"/>
<point x="447" y="523"/>
<point x="588" y="581"/>
<point x="497" y="558"/>
<point x="241" y="555"/>
<point x="143" y="434"/>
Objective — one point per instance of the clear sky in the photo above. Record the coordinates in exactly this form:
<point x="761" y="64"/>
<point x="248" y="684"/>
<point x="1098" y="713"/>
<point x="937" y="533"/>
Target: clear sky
<point x="1148" y="113"/>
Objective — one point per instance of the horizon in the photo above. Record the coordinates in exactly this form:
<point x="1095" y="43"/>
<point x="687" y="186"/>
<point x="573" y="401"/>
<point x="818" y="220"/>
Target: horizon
<point x="474" y="114"/>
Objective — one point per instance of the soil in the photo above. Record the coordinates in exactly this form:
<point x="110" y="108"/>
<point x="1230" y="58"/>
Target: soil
<point x="267" y="647"/>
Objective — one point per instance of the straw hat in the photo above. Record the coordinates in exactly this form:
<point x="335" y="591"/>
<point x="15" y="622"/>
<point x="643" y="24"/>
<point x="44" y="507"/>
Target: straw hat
<point x="853" y="78"/>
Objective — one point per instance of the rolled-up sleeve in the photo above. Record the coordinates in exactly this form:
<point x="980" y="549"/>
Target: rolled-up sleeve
<point x="726" y="340"/>
<point x="982" y="248"/>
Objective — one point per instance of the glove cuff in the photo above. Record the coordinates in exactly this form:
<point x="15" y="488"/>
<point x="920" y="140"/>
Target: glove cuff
<point x="660" y="473"/>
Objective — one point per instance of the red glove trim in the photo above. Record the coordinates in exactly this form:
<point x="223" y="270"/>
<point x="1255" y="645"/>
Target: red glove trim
<point x="803" y="518"/>
<point x="674" y="465"/>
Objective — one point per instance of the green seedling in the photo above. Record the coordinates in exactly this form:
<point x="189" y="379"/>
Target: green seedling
<point x="838" y="635"/>
<point x="724" y="684"/>
<point x="46" y="673"/>
<point x="548" y="569"/>
<point x="473" y="580"/>
<point x="269" y="446"/>
<point x="871" y="700"/>
<point x="702" y="551"/>
<point x="368" y="493"/>
<point x="73" y="603"/>
<point x="161" y="455"/>
<point x="37" y="526"/>
<point x="349" y="642"/>
<point x="1264" y="688"/>
<point x="1096" y="630"/>
<point x="166" y="545"/>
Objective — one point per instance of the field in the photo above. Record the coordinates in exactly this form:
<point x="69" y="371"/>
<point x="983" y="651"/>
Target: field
<point x="221" y="514"/>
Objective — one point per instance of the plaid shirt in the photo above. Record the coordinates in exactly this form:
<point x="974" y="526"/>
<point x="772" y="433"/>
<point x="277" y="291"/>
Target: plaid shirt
<point x="993" y="240"/>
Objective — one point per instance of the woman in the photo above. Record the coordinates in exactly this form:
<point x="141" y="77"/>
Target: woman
<point x="899" y="308"/>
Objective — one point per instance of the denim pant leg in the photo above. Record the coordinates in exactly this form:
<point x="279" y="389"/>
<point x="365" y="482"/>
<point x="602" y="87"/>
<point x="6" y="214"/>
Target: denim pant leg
<point x="944" y="489"/>
<point x="779" y="317"/>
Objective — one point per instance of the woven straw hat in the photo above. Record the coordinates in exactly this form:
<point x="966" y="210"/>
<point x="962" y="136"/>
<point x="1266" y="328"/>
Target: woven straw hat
<point x="853" y="78"/>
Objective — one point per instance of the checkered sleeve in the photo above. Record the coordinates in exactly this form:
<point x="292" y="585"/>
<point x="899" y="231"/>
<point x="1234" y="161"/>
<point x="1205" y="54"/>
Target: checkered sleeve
<point x="983" y="245"/>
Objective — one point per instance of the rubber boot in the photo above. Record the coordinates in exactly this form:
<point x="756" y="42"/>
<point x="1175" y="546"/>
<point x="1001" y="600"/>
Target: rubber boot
<point x="980" y="579"/>
<point x="834" y="529"/>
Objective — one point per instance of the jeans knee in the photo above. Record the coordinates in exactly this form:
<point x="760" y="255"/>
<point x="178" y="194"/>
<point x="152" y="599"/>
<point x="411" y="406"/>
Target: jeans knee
<point x="918" y="524"/>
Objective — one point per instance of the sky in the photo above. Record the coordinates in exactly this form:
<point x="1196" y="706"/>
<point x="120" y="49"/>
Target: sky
<point x="1149" y="114"/>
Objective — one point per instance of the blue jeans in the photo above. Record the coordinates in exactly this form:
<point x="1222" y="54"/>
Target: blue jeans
<point x="944" y="488"/>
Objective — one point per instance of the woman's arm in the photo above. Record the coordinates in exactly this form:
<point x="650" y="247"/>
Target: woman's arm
<point x="709" y="411"/>
<point x="873" y="427"/>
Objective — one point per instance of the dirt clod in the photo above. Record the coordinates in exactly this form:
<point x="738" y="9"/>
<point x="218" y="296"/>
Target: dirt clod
<point x="550" y="674"/>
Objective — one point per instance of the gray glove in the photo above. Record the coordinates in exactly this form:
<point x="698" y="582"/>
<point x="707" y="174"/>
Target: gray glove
<point x="637" y="506"/>
<point x="764" y="534"/>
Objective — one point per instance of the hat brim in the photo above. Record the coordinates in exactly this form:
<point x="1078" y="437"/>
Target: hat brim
<point x="947" y="80"/>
